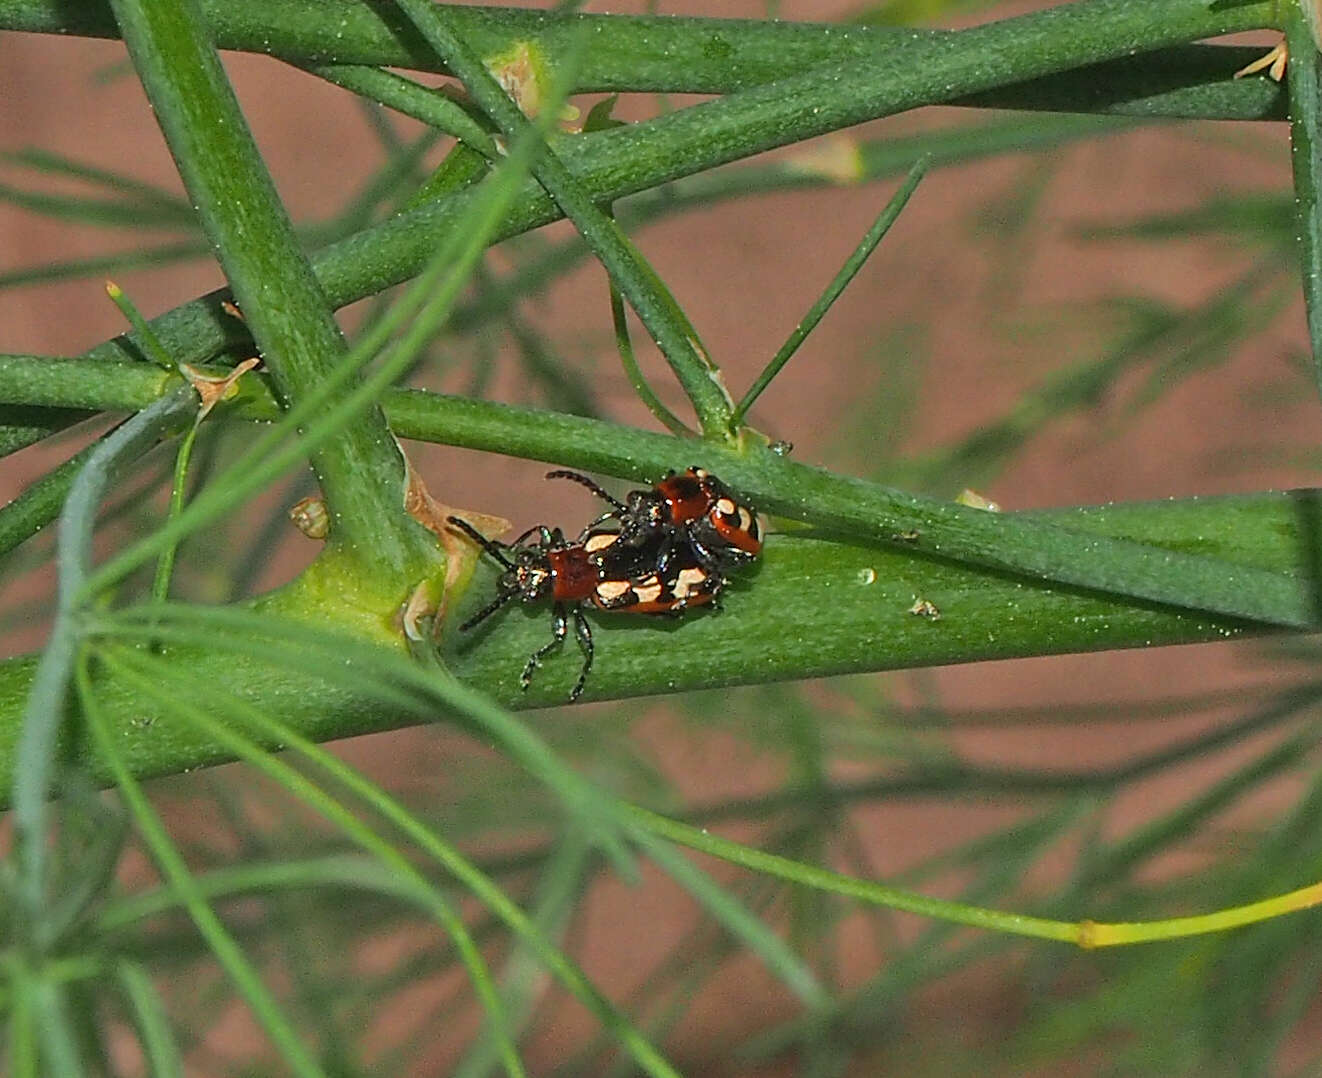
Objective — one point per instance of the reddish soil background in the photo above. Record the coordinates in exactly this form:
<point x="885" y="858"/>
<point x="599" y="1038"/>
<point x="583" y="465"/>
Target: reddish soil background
<point x="1222" y="431"/>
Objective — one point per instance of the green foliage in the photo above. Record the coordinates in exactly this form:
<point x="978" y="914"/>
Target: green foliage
<point x="278" y="885"/>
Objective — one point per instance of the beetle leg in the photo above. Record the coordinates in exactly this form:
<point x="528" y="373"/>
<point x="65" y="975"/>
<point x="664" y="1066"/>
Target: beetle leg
<point x="610" y="514"/>
<point x="559" y="628"/>
<point x="664" y="551"/>
<point x="583" y="633"/>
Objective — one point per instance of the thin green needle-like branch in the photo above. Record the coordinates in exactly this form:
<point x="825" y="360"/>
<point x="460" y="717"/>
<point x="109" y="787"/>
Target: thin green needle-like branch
<point x="125" y="913"/>
<point x="1084" y="934"/>
<point x="407" y="97"/>
<point x="467" y="874"/>
<point x="866" y="161"/>
<point x="176" y="872"/>
<point x="624" y="346"/>
<point x="1096" y="934"/>
<point x="160" y="588"/>
<point x="867" y="890"/>
<point x="155" y="351"/>
<point x="145" y="195"/>
<point x="623" y="161"/>
<point x="139" y="257"/>
<point x="155" y="679"/>
<point x="61" y="1051"/>
<point x="838" y="284"/>
<point x="106" y="213"/>
<point x="44" y="714"/>
<point x="646" y="293"/>
<point x="151" y="1018"/>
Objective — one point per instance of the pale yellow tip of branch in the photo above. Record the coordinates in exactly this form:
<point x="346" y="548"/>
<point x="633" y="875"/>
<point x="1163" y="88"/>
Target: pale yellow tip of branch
<point x="1274" y="61"/>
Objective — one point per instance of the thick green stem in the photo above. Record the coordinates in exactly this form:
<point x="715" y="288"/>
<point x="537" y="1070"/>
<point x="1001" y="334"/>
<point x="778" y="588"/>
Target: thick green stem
<point x="865" y="511"/>
<point x="22" y="425"/>
<point x="810" y="609"/>
<point x="59" y="383"/>
<point x="1306" y="159"/>
<point x="694" y="55"/>
<point x="39" y="503"/>
<point x="360" y="471"/>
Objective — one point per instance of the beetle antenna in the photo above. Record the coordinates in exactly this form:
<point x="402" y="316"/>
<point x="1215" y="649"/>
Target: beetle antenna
<point x="494" y="549"/>
<point x="596" y="488"/>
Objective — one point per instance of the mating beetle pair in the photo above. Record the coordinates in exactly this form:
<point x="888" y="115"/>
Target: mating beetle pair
<point x="672" y="549"/>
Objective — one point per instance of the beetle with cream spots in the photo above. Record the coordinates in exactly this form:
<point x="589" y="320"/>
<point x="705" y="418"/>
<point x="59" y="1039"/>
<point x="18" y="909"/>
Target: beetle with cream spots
<point x="597" y="570"/>
<point x="690" y="509"/>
